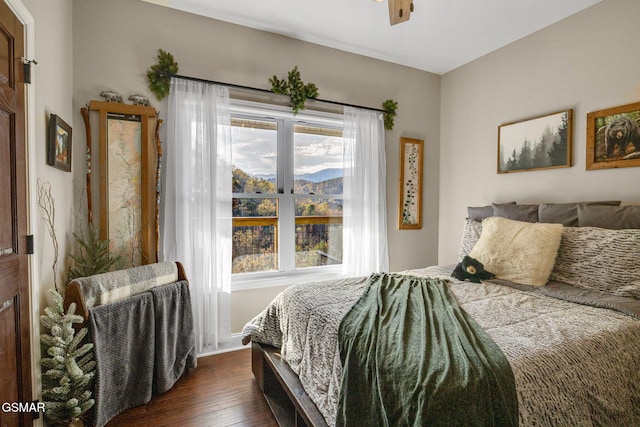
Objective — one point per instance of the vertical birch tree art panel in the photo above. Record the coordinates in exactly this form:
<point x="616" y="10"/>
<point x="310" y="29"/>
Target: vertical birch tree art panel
<point x="410" y="184"/>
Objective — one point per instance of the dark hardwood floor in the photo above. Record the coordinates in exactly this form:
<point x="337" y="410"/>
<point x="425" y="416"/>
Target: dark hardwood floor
<point x="221" y="391"/>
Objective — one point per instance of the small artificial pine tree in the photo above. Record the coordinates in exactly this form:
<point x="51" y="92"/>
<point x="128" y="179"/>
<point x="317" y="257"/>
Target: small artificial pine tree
<point x="68" y="371"/>
<point x="94" y="256"/>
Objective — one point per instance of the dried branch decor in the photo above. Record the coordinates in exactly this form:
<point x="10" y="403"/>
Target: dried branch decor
<point x="48" y="215"/>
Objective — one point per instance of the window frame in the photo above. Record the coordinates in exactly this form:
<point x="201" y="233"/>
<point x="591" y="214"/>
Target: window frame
<point x="286" y="121"/>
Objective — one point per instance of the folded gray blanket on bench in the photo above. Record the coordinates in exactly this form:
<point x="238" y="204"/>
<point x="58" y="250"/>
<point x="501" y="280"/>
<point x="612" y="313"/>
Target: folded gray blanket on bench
<point x="114" y="286"/>
<point x="124" y="340"/>
<point x="143" y="344"/>
<point x="175" y="349"/>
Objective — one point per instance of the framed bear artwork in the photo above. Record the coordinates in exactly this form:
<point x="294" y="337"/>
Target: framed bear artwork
<point x="613" y="137"/>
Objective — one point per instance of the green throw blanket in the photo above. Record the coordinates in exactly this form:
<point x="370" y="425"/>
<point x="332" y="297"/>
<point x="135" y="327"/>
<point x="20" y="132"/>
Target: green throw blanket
<point x="412" y="357"/>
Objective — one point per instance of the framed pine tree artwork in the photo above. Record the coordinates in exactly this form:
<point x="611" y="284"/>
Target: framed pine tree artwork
<point x="543" y="142"/>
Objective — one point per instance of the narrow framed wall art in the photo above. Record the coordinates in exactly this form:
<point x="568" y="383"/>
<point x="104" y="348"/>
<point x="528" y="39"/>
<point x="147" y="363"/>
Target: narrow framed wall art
<point x="410" y="184"/>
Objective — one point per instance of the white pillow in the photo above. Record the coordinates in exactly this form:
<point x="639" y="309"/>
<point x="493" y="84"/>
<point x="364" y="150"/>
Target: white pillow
<point x="517" y="251"/>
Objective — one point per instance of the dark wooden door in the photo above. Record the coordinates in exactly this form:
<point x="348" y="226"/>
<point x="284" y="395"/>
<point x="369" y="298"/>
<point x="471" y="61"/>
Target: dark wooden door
<point x="15" y="358"/>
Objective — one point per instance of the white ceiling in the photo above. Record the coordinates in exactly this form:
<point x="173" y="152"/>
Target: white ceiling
<point x="440" y="36"/>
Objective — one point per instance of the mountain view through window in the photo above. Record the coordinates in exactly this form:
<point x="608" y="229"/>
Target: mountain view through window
<point x="287" y="188"/>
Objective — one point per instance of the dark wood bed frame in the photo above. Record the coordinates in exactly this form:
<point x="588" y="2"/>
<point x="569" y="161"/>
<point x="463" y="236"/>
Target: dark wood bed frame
<point x="282" y="389"/>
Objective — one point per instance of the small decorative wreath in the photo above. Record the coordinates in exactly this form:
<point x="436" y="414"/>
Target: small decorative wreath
<point x="294" y="87"/>
<point x="159" y="75"/>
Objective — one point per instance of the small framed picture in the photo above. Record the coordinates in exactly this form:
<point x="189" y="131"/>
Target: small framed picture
<point x="59" y="144"/>
<point x="613" y="137"/>
<point x="410" y="184"/>
<point x="542" y="142"/>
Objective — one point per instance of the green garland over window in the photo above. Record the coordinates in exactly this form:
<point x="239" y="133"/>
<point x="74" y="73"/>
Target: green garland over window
<point x="159" y="75"/>
<point x="295" y="88"/>
<point x="389" y="106"/>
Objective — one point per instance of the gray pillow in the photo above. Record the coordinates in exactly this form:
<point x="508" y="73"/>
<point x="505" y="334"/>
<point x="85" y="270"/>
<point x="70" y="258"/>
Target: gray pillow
<point x="481" y="212"/>
<point x="526" y="213"/>
<point x="566" y="213"/>
<point x="470" y="235"/>
<point x="599" y="260"/>
<point x="613" y="217"/>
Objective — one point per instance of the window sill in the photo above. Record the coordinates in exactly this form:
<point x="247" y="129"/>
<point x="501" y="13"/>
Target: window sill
<point x="268" y="280"/>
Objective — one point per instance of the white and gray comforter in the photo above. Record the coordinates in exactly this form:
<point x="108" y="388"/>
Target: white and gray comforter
<point x="573" y="364"/>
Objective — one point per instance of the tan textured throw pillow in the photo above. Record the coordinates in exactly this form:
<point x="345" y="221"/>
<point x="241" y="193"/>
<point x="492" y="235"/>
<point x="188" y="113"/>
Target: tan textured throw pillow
<point x="521" y="252"/>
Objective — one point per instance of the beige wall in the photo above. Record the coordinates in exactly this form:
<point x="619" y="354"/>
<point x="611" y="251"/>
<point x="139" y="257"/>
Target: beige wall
<point x="587" y="62"/>
<point x="52" y="83"/>
<point x="115" y="42"/>
<point x="51" y="91"/>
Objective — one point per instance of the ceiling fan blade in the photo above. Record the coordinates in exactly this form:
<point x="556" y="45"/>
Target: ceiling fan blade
<point x="399" y="11"/>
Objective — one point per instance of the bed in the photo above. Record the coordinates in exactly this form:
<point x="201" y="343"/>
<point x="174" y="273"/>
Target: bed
<point x="572" y="342"/>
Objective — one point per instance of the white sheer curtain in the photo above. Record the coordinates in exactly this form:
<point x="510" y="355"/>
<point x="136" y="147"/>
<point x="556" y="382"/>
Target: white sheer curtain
<point x="196" y="222"/>
<point x="365" y="211"/>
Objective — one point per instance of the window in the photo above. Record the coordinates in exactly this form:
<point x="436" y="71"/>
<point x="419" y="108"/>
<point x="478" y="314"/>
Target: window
<point x="287" y="191"/>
